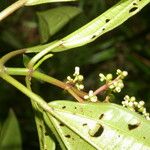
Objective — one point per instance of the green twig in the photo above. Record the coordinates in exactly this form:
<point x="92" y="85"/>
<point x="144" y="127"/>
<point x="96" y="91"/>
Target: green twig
<point x="9" y="10"/>
<point x="40" y="76"/>
<point x="10" y="55"/>
<point x="43" y="53"/>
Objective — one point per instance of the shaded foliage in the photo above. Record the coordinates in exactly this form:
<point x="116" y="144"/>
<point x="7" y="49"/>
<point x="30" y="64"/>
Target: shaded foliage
<point x="126" y="47"/>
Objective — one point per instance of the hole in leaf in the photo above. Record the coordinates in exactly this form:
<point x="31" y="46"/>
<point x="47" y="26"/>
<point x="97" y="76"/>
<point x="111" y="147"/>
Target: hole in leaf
<point x="67" y="136"/>
<point x="97" y="131"/>
<point x="84" y="124"/>
<point x="101" y="116"/>
<point x="132" y="126"/>
<point x="134" y="3"/>
<point x="63" y="107"/>
<point x="94" y="36"/>
<point x="107" y="20"/>
<point x="133" y="9"/>
<point x="61" y="124"/>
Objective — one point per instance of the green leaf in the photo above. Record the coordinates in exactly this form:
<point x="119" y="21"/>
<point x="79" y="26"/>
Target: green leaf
<point x="37" y="2"/>
<point x="137" y="62"/>
<point x="45" y="139"/>
<point x="10" y="137"/>
<point x="102" y="56"/>
<point x="26" y="60"/>
<point x="51" y="21"/>
<point x="109" y="20"/>
<point x="100" y="126"/>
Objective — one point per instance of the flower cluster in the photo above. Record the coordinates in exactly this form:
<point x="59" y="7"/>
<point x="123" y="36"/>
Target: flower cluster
<point x="132" y="104"/>
<point x="117" y="84"/>
<point x="77" y="80"/>
<point x="91" y="96"/>
<point x="121" y="74"/>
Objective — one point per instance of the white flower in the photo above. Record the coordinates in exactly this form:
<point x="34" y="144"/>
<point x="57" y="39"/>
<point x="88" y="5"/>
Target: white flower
<point x="124" y="73"/>
<point x="109" y="77"/>
<point x="102" y="77"/>
<point x="77" y="71"/>
<point x="118" y="72"/>
<point x="91" y="96"/>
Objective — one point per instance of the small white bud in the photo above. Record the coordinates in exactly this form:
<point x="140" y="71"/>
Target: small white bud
<point x="115" y="83"/>
<point x="109" y="77"/>
<point x="144" y="111"/>
<point x="102" y="77"/>
<point x="111" y="86"/>
<point x="139" y="106"/>
<point x="146" y="114"/>
<point x="80" y="78"/>
<point x="69" y="78"/>
<point x="118" y="71"/>
<point x="93" y="99"/>
<point x="135" y="103"/>
<point x="142" y="103"/>
<point x="81" y="86"/>
<point x="91" y="93"/>
<point x="121" y="85"/>
<point x="126" y="97"/>
<point x="124" y="73"/>
<point x="147" y="118"/>
<point x="130" y="104"/>
<point x="77" y="71"/>
<point x="118" y="89"/>
<point x="86" y="97"/>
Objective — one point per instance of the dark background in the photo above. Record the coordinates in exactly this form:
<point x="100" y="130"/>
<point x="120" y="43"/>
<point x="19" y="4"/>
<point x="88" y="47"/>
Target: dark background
<point x="127" y="47"/>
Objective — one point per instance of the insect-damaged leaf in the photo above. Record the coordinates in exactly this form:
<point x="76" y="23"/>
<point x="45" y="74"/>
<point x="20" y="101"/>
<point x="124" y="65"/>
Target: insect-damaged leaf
<point x="107" y="21"/>
<point x="100" y="126"/>
<point x="67" y="139"/>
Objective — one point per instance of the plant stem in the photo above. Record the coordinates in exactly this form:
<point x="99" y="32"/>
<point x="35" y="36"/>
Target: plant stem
<point x="8" y="56"/>
<point x="23" y="71"/>
<point x="35" y="98"/>
<point x="37" y="75"/>
<point x="105" y="86"/>
<point x="9" y="10"/>
<point x="38" y="116"/>
<point x="43" y="53"/>
<point x="75" y="95"/>
<point x="26" y="91"/>
<point x="101" y="89"/>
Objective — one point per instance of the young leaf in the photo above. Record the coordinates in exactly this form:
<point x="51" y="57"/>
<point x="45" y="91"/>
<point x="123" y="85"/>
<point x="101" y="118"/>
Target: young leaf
<point x="26" y="60"/>
<point x="101" y="125"/>
<point x="37" y="2"/>
<point x="51" y="21"/>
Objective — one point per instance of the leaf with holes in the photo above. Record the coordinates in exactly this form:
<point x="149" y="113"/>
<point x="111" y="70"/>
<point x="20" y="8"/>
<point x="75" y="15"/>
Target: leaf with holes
<point x="99" y="126"/>
<point x="107" y="21"/>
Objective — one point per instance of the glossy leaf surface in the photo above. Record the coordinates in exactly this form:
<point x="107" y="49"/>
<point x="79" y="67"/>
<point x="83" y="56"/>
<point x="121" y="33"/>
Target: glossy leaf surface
<point x="100" y="126"/>
<point x="107" y="21"/>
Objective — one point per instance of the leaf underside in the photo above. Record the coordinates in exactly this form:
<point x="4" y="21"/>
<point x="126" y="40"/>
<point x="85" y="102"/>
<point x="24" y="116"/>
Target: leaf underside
<point x="107" y="21"/>
<point x="99" y="126"/>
